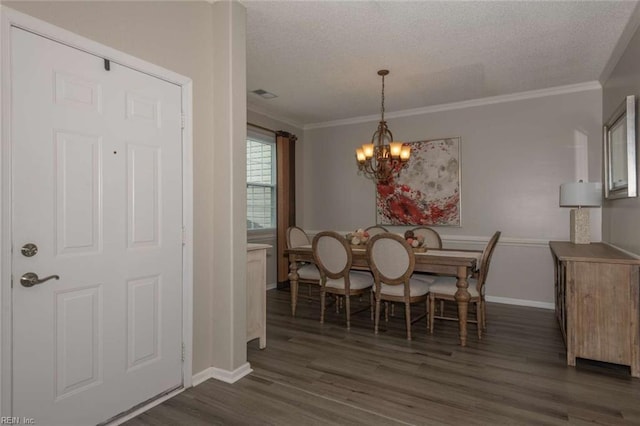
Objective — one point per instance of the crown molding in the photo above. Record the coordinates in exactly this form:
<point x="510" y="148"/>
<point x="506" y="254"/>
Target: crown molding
<point x="531" y="94"/>
<point x="269" y="114"/>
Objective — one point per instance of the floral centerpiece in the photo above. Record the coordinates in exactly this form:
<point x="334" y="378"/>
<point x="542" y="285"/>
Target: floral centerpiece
<point x="358" y="237"/>
<point x="415" y="241"/>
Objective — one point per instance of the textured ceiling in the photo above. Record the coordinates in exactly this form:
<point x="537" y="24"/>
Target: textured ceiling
<point x="321" y="57"/>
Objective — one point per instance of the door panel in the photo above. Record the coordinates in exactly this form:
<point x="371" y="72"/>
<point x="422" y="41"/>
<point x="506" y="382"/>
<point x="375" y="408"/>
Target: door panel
<point x="78" y="196"/>
<point x="97" y="186"/>
<point x="78" y="343"/>
<point x="143" y="326"/>
<point x="144" y="195"/>
<point x="78" y="92"/>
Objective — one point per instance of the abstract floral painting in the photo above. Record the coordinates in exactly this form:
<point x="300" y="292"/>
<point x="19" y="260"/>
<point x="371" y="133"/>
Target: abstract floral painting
<point x="427" y="191"/>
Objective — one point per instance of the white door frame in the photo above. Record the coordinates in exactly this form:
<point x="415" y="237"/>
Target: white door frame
<point x="11" y="18"/>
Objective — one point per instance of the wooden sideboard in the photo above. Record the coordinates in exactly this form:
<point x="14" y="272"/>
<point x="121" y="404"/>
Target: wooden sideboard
<point x="257" y="293"/>
<point x="597" y="298"/>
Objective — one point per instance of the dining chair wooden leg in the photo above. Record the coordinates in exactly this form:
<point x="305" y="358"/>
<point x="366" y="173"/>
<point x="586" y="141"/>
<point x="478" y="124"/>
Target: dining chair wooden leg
<point x="441" y="307"/>
<point x="347" y="306"/>
<point x="322" y="301"/>
<point x="371" y="303"/>
<point x="377" y="320"/>
<point x="426" y="311"/>
<point x="407" y="317"/>
<point x="479" y="319"/>
<point x="483" y="307"/>
<point x="432" y="308"/>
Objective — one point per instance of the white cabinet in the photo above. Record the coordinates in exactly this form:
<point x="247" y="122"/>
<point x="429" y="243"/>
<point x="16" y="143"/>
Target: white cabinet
<point x="257" y="293"/>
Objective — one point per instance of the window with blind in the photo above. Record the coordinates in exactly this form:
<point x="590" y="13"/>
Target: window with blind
<point x="261" y="183"/>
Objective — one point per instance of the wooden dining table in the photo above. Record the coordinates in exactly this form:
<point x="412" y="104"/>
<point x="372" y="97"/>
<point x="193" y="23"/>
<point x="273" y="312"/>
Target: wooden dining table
<point x="440" y="261"/>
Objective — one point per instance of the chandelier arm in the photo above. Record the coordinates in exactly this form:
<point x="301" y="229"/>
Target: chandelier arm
<point x="381" y="133"/>
<point x="369" y="168"/>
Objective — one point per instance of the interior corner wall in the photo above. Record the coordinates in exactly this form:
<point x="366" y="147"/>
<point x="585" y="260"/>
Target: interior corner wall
<point x="229" y="345"/>
<point x="177" y="36"/>
<point x="514" y="156"/>
<point x="620" y="216"/>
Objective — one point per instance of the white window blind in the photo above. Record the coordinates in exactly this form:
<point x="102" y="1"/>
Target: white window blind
<point x="261" y="182"/>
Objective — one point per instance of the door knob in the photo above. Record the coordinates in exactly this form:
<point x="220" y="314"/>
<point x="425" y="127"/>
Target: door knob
<point x="30" y="279"/>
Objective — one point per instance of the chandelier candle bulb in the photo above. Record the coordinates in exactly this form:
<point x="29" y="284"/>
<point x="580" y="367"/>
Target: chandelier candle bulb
<point x="396" y="148"/>
<point x="360" y="155"/>
<point x="405" y="153"/>
<point x="383" y="153"/>
<point x="367" y="149"/>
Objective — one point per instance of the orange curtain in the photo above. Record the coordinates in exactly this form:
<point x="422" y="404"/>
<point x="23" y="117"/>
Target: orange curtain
<point x="286" y="197"/>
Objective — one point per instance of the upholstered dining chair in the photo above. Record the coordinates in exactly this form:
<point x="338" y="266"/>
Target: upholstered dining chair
<point x="392" y="260"/>
<point x="431" y="241"/>
<point x="308" y="272"/>
<point x="444" y="288"/>
<point x="375" y="229"/>
<point x="431" y="237"/>
<point x="332" y="254"/>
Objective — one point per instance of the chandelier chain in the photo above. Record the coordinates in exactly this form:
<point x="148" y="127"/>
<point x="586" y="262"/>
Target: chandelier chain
<point x="382" y="105"/>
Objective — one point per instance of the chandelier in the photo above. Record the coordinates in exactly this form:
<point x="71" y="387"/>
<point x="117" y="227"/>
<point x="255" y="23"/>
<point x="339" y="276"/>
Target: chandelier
<point x="383" y="158"/>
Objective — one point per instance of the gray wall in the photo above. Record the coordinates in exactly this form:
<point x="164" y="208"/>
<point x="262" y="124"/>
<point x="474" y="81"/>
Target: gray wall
<point x="620" y="218"/>
<point x="515" y="155"/>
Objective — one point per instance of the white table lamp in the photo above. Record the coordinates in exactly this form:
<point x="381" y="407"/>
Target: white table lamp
<point x="580" y="194"/>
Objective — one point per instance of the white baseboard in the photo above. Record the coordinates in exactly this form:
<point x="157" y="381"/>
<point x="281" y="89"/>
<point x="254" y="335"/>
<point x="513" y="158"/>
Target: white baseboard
<point x="201" y="376"/>
<point x="520" y="302"/>
<point x="272" y="286"/>
<point x="222" y="375"/>
<point x="231" y="376"/>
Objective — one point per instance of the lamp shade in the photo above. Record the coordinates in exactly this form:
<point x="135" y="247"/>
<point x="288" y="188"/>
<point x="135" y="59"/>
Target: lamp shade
<point x="580" y="194"/>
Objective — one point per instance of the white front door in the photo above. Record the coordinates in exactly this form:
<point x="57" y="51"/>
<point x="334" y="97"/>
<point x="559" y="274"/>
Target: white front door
<point x="97" y="187"/>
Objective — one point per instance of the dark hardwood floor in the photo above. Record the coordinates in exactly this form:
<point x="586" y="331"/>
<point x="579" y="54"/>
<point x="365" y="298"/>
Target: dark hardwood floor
<point x="312" y="374"/>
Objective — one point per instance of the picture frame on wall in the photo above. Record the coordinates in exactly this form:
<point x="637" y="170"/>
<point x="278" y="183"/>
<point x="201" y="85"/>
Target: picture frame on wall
<point x="427" y="192"/>
<point x="619" y="136"/>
